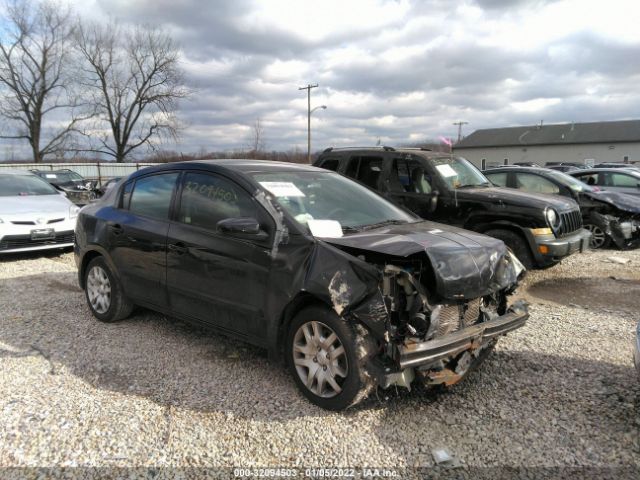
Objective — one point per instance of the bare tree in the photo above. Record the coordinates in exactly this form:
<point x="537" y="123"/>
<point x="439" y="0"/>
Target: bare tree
<point x="35" y="76"/>
<point x="136" y="81"/>
<point x="256" y="141"/>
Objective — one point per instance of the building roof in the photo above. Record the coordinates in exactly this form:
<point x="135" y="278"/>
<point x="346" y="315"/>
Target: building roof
<point x="558" y="134"/>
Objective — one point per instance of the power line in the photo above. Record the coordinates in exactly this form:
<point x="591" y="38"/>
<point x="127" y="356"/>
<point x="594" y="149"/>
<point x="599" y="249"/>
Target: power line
<point x="459" y="124"/>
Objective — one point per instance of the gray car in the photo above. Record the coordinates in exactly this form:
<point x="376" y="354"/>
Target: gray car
<point x="623" y="180"/>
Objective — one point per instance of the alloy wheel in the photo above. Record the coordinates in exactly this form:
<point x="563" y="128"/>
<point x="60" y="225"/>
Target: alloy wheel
<point x="598" y="236"/>
<point x="320" y="359"/>
<point x="99" y="289"/>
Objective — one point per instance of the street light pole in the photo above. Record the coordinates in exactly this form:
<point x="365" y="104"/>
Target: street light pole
<point x="308" y="89"/>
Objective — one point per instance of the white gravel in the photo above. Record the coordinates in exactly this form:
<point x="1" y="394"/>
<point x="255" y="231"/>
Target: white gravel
<point x="150" y="391"/>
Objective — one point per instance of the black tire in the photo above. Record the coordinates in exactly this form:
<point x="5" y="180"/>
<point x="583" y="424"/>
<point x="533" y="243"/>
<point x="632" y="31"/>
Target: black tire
<point x="516" y="243"/>
<point x="118" y="306"/>
<point x="358" y="345"/>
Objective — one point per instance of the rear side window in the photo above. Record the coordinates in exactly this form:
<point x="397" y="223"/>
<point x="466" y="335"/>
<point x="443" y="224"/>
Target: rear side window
<point x="206" y="199"/>
<point x="151" y="196"/>
<point x="535" y="184"/>
<point x="499" y="179"/>
<point x="365" y="169"/>
<point x="330" y="164"/>
<point x="620" y="180"/>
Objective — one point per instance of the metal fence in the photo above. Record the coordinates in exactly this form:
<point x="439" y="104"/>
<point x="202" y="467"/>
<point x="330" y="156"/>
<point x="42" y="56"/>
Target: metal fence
<point x="99" y="172"/>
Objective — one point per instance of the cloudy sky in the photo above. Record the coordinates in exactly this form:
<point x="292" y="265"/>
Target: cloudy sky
<point x="399" y="71"/>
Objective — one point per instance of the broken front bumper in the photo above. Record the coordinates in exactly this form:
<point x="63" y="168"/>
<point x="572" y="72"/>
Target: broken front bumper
<point x="433" y="359"/>
<point x="470" y="338"/>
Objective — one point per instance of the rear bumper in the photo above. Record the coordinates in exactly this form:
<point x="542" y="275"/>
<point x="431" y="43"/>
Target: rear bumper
<point x="449" y="346"/>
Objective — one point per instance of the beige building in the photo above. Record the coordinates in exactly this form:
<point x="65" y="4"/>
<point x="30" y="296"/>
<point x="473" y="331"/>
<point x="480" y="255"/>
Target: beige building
<point x="589" y="143"/>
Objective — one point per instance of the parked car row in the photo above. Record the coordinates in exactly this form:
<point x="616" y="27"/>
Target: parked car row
<point x="610" y="216"/>
<point x="539" y="229"/>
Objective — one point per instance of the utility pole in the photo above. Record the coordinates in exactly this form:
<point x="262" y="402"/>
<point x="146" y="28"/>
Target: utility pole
<point x="308" y="89"/>
<point x="459" y="124"/>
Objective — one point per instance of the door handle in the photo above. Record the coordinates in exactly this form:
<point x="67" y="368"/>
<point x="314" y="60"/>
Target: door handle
<point x="116" y="228"/>
<point x="179" y="248"/>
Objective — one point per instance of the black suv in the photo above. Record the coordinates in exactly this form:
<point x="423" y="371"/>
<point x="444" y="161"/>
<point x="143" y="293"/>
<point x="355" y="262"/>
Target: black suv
<point x="540" y="229"/>
<point x="267" y="252"/>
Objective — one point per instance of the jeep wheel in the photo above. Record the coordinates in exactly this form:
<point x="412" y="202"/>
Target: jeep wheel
<point x="326" y="356"/>
<point x="516" y="243"/>
<point x="104" y="293"/>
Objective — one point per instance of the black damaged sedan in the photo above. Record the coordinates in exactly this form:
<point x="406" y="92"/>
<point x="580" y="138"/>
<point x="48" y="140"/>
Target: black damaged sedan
<point x="352" y="291"/>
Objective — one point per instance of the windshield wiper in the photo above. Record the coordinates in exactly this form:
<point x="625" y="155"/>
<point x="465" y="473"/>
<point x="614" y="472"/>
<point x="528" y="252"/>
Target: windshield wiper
<point x="384" y="223"/>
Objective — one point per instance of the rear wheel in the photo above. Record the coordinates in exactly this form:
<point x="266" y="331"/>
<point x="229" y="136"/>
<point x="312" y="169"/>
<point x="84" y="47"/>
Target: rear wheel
<point x="599" y="238"/>
<point x="516" y="243"/>
<point x="326" y="356"/>
<point x="105" y="297"/>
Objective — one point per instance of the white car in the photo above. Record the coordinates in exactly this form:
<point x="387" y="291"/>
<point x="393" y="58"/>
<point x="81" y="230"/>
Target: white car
<point x="33" y="214"/>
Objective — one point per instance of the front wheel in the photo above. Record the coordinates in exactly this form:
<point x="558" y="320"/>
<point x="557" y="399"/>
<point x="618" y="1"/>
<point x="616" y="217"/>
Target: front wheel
<point x="326" y="356"/>
<point x="105" y="297"/>
<point x="599" y="238"/>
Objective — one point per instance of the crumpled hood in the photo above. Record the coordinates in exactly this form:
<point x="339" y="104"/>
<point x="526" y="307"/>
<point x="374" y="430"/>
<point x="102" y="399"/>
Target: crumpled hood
<point x="622" y="201"/>
<point x="34" y="205"/>
<point x="465" y="264"/>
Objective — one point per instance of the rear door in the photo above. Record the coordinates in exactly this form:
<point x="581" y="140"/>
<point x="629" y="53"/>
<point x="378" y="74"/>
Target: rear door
<point x="620" y="182"/>
<point x="213" y="277"/>
<point x="138" y="237"/>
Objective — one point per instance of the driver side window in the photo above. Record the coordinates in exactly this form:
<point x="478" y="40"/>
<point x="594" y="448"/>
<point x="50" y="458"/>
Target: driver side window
<point x="206" y="199"/>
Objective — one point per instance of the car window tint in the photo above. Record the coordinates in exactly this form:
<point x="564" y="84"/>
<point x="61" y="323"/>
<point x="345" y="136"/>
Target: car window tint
<point x="352" y="167"/>
<point x="126" y="195"/>
<point x="369" y="170"/>
<point x="622" y="180"/>
<point x="206" y="199"/>
<point x="535" y="184"/>
<point x="330" y="164"/>
<point x="499" y="179"/>
<point x="408" y="175"/>
<point x="151" y="195"/>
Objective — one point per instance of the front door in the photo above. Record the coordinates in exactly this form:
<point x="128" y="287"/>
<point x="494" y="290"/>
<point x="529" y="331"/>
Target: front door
<point x="411" y="186"/>
<point x="214" y="277"/>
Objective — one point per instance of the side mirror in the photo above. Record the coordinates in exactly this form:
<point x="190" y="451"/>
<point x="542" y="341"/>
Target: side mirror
<point x="433" y="201"/>
<point x="243" y="227"/>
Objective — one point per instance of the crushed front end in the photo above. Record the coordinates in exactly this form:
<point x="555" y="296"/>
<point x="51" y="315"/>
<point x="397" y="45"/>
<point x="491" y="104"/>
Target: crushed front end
<point x="433" y="336"/>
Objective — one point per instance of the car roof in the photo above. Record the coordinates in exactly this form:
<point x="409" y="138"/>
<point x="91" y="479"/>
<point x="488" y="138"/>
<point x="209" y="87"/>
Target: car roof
<point x="15" y="172"/>
<point x="517" y="168"/>
<point x="238" y="165"/>
<point x="611" y="169"/>
<point x="424" y="152"/>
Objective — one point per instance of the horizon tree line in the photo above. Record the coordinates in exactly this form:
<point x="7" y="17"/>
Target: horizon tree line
<point x="72" y="86"/>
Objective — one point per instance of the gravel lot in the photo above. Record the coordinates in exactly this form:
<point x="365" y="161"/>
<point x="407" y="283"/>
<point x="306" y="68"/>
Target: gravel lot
<point x="150" y="391"/>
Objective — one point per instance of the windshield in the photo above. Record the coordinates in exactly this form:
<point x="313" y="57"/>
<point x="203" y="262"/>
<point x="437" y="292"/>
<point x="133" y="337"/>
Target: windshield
<point x="310" y="197"/>
<point x="458" y="172"/>
<point x="62" y="177"/>
<point x="571" y="182"/>
<point x="20" y="185"/>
